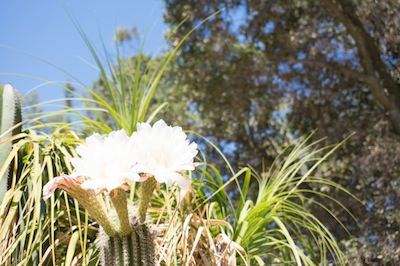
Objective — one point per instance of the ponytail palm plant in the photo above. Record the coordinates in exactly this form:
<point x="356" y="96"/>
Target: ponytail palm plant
<point x="274" y="227"/>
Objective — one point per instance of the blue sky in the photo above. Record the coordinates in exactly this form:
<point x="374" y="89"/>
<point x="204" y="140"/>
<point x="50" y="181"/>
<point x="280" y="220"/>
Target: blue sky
<point x="43" y="29"/>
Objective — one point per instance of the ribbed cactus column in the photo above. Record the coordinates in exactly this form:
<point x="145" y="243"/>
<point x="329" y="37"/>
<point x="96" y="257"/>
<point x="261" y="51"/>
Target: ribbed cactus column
<point x="10" y="119"/>
<point x="124" y="238"/>
<point x="135" y="249"/>
<point x="133" y="245"/>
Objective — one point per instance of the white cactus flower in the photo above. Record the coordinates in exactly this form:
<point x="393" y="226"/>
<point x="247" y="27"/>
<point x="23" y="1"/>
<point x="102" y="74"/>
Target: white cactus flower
<point x="164" y="152"/>
<point x="106" y="162"/>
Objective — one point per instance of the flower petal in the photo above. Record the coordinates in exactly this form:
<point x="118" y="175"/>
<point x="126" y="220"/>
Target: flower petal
<point x="49" y="189"/>
<point x="182" y="182"/>
<point x="164" y="152"/>
<point x="98" y="183"/>
<point x="65" y="182"/>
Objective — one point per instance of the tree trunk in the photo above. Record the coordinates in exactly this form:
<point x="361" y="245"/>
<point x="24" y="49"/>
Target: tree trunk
<point x="383" y="86"/>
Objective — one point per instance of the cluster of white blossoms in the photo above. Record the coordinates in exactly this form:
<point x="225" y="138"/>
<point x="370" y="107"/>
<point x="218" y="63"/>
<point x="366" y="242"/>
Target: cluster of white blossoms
<point x="110" y="162"/>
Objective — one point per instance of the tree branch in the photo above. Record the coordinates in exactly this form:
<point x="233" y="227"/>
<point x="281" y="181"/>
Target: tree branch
<point x="382" y="85"/>
<point x="329" y="65"/>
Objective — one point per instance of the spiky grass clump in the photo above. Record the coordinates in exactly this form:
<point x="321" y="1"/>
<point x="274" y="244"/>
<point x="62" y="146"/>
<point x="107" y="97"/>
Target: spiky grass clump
<point x="31" y="232"/>
<point x="208" y="226"/>
<point x="191" y="232"/>
<point x="277" y="225"/>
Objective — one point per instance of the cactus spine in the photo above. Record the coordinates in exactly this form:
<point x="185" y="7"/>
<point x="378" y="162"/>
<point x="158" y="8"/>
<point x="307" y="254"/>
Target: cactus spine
<point x="133" y="249"/>
<point x="10" y="124"/>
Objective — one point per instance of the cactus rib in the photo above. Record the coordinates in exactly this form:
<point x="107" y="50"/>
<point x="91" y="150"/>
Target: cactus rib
<point x="10" y="124"/>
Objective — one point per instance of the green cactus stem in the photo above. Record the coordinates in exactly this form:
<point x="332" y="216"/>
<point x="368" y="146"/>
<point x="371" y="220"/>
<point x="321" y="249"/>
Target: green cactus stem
<point x="10" y="124"/>
<point x="145" y="192"/>
<point x="118" y="197"/>
<point x="135" y="249"/>
<point x="88" y="201"/>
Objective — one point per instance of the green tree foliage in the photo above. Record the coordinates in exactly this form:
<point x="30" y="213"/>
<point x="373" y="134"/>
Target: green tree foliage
<point x="262" y="72"/>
